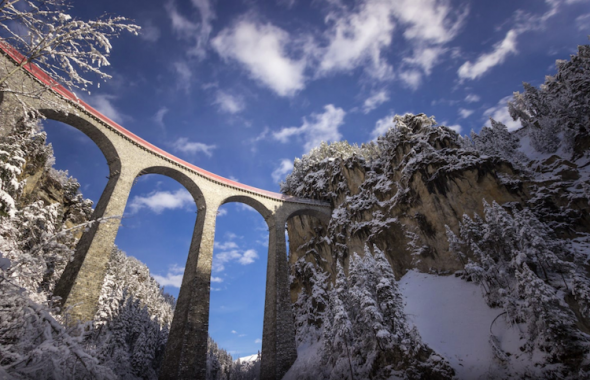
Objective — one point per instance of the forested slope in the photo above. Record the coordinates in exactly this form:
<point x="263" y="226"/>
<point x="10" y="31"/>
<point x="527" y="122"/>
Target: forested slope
<point x="42" y="216"/>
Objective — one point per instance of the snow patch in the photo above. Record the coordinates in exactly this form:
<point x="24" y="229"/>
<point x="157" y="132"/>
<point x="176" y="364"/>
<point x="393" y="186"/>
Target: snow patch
<point x="248" y="359"/>
<point x="307" y="363"/>
<point x="454" y="320"/>
<point x="526" y="147"/>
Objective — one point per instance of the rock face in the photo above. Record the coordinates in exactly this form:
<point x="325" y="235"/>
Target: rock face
<point x="400" y="192"/>
<point x="43" y="183"/>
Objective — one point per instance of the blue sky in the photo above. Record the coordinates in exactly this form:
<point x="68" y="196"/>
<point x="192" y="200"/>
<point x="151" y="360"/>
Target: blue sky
<point x="241" y="88"/>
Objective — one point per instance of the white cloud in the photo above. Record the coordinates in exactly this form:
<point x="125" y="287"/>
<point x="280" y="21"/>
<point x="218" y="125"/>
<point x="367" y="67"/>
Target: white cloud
<point x="412" y="78"/>
<point x="258" y="341"/>
<point x="583" y="22"/>
<point x="225" y="246"/>
<point x="221" y="212"/>
<point x="173" y="277"/>
<point x="425" y="57"/>
<point x="283" y="169"/>
<point x="207" y="15"/>
<point x="488" y="60"/>
<point x="263" y="241"/>
<point x="432" y="21"/>
<point x="219" y="260"/>
<point x="234" y="332"/>
<point x="216" y="279"/>
<point x="359" y="37"/>
<point x="261" y="49"/>
<point x="159" y="201"/>
<point x="375" y="101"/>
<point x="382" y="126"/>
<point x="500" y="113"/>
<point x="261" y="136"/>
<point x="522" y="22"/>
<point x="231" y="252"/>
<point x="180" y="24"/>
<point x="197" y="32"/>
<point x="248" y="257"/>
<point x="244" y="207"/>
<point x="356" y="38"/>
<point x="465" y="113"/>
<point x="229" y="103"/>
<point x="103" y="104"/>
<point x="455" y="127"/>
<point x="323" y="127"/>
<point x="184" y="75"/>
<point x="253" y="141"/>
<point x="159" y="116"/>
<point x="472" y="98"/>
<point x="149" y="32"/>
<point x="186" y="146"/>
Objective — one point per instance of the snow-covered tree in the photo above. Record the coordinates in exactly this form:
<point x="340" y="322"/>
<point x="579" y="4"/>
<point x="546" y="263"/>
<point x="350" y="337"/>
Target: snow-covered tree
<point x="34" y="345"/>
<point x="342" y="327"/>
<point x="65" y="47"/>
<point x="391" y="304"/>
<point x="130" y="341"/>
<point x="557" y="113"/>
<point x="524" y="268"/>
<point x="310" y="305"/>
<point x="37" y="239"/>
<point x="496" y="140"/>
<point x="365" y="333"/>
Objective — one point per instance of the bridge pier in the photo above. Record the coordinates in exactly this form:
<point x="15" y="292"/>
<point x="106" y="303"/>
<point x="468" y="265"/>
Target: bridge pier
<point x="186" y="350"/>
<point x="278" y="336"/>
<point x="81" y="282"/>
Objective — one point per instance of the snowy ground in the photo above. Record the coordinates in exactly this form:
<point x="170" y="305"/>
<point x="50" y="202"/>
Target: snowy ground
<point x="307" y="363"/>
<point x="454" y="320"/>
<point x="247" y="359"/>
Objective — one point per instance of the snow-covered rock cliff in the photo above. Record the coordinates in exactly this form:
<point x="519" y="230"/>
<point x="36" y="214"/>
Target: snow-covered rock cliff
<point x="508" y="211"/>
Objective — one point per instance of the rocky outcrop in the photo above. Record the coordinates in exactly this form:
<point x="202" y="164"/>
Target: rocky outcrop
<point x="50" y="186"/>
<point x="400" y="192"/>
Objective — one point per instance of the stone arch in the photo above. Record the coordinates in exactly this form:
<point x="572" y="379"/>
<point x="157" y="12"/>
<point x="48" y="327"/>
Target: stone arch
<point x="302" y="225"/>
<point x="181" y="178"/>
<point x="255" y="204"/>
<point x="320" y="214"/>
<point x="92" y="131"/>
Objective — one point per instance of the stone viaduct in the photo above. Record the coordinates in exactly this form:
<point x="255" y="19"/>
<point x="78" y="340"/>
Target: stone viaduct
<point x="129" y="157"/>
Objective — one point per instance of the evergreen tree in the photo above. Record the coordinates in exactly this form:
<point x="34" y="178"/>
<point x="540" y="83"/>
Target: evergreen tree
<point x="496" y="140"/>
<point x="342" y="327"/>
<point x="557" y="113"/>
<point x="391" y="304"/>
<point x="525" y="269"/>
<point x="34" y="345"/>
